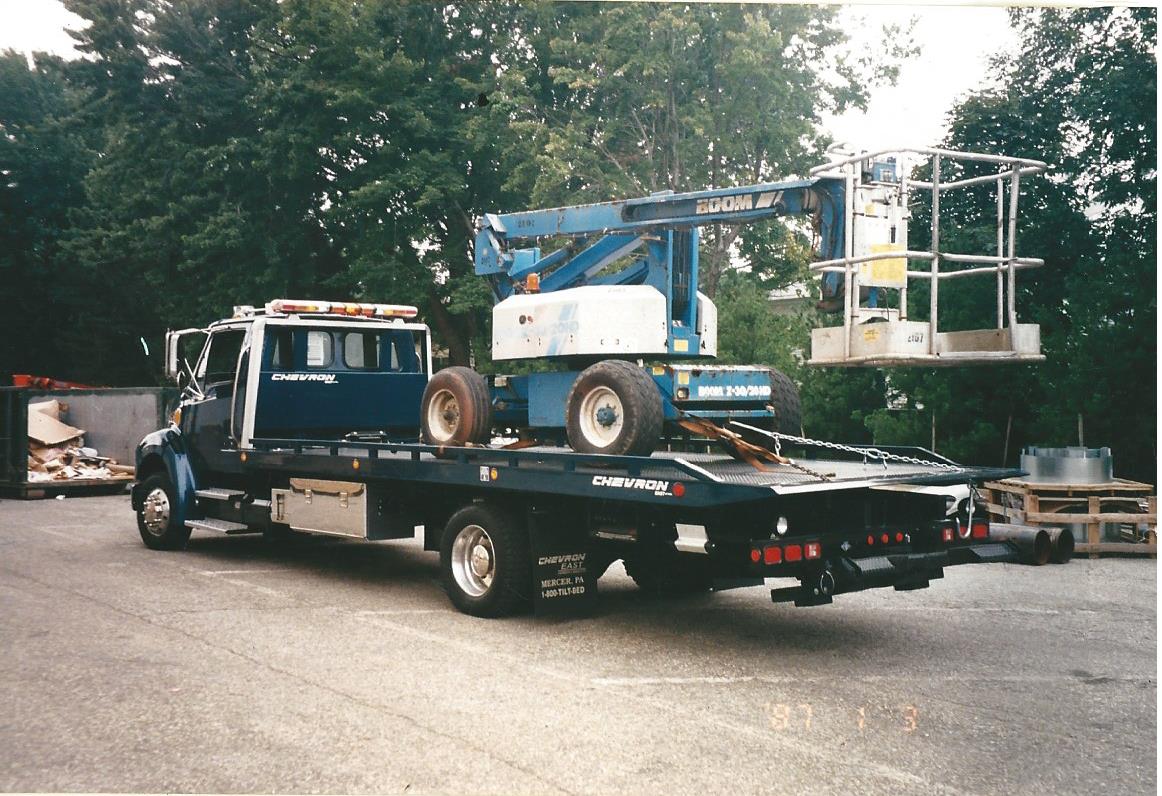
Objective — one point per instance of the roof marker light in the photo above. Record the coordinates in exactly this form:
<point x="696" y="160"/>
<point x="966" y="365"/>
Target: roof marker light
<point x="346" y="308"/>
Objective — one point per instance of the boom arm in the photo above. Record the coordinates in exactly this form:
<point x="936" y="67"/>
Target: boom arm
<point x="665" y="224"/>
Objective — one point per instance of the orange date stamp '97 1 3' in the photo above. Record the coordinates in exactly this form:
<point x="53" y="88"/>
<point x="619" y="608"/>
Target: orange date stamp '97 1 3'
<point x="801" y="717"/>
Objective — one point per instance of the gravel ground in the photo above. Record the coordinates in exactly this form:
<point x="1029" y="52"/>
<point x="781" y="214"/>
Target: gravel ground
<point x="330" y="666"/>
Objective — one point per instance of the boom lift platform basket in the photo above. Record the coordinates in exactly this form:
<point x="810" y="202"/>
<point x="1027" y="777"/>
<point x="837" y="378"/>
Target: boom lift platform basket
<point x="876" y="202"/>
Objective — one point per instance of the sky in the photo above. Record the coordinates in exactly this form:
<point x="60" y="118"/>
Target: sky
<point x="956" y="43"/>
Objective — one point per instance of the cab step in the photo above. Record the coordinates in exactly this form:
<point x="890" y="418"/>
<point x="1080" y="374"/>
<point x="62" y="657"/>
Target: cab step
<point x="216" y="493"/>
<point x="222" y="526"/>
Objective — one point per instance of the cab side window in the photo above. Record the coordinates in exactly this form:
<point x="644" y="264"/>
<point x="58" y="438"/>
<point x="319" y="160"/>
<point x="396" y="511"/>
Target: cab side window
<point x="361" y="350"/>
<point x="405" y="356"/>
<point x="320" y="349"/>
<point x="281" y="348"/>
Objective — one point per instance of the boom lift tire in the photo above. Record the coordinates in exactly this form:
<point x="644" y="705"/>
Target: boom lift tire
<point x="669" y="573"/>
<point x="614" y="408"/>
<point x="785" y="400"/>
<point x="456" y="409"/>
<point x="485" y="563"/>
<point x="156" y="519"/>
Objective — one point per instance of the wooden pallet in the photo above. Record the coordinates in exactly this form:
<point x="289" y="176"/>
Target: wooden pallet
<point x="1032" y="503"/>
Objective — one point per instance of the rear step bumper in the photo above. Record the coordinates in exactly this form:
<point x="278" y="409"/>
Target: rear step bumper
<point x="903" y="571"/>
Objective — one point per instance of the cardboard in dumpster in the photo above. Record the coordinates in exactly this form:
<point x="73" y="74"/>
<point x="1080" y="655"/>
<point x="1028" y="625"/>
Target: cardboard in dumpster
<point x="47" y="430"/>
<point x="52" y="407"/>
<point x="56" y="452"/>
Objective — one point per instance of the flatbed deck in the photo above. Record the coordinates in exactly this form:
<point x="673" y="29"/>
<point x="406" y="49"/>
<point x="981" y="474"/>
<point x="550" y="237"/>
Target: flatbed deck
<point x="702" y="479"/>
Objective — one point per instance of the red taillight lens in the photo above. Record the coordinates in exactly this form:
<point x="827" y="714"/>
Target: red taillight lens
<point x="773" y="555"/>
<point x="812" y="550"/>
<point x="793" y="552"/>
<point x="980" y="530"/>
<point x="871" y="539"/>
<point x="899" y="537"/>
<point x="946" y="534"/>
<point x="884" y="539"/>
<point x="679" y="489"/>
<point x="756" y="555"/>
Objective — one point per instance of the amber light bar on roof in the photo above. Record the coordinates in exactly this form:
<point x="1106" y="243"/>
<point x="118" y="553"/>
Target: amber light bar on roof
<point x="346" y="308"/>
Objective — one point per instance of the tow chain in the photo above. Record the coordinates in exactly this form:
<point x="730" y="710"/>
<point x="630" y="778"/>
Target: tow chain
<point x="740" y="449"/>
<point x="866" y="453"/>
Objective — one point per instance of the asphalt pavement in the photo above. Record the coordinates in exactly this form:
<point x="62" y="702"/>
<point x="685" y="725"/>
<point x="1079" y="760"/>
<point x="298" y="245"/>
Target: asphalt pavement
<point x="340" y="667"/>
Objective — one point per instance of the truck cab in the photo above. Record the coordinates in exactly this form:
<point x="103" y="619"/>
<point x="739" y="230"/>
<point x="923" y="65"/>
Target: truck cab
<point x="292" y="370"/>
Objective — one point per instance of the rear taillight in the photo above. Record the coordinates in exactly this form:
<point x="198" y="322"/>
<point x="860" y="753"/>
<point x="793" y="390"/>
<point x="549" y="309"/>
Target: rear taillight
<point x="773" y="554"/>
<point x="947" y="534"/>
<point x="980" y="529"/>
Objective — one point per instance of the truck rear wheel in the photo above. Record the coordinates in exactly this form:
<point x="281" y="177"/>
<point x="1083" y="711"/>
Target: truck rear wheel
<point x="157" y="517"/>
<point x="456" y="409"/>
<point x="484" y="562"/>
<point x="669" y="573"/>
<point x="614" y="408"/>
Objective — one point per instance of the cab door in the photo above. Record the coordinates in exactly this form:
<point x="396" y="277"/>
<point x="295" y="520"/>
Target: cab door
<point x="207" y="422"/>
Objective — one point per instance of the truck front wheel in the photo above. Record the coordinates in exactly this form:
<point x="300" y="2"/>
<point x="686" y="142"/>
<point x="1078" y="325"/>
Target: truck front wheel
<point x="156" y="518"/>
<point x="484" y="562"/>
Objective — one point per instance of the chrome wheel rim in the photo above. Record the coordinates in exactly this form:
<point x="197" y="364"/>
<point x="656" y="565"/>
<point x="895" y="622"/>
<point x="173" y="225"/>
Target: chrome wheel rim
<point x="443" y="416"/>
<point x="155" y="511"/>
<point x="473" y="561"/>
<point x="602" y="417"/>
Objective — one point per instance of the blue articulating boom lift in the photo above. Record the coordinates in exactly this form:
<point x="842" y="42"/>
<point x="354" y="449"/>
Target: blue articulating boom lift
<point x="621" y="291"/>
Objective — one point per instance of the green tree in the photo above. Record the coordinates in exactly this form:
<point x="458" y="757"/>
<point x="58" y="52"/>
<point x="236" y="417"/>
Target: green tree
<point x="43" y="158"/>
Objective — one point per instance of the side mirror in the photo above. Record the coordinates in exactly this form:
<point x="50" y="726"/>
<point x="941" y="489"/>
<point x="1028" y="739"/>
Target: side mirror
<point x="172" y="351"/>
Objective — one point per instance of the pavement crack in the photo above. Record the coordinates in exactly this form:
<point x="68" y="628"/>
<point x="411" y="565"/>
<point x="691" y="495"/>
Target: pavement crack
<point x="374" y="706"/>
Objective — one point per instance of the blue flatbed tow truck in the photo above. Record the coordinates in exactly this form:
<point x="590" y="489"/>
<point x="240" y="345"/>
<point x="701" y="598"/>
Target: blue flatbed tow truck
<point x="305" y="417"/>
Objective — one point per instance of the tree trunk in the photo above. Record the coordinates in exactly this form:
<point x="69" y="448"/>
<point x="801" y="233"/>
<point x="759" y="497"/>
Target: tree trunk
<point x="447" y="332"/>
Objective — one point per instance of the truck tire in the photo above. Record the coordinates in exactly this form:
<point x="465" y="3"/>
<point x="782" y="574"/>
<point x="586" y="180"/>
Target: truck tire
<point x="156" y="519"/>
<point x="456" y="409"/>
<point x="788" y="418"/>
<point x="614" y="408"/>
<point x="665" y="572"/>
<point x="484" y="562"/>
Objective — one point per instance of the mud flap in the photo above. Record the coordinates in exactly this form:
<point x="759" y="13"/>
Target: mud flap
<point x="564" y="576"/>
